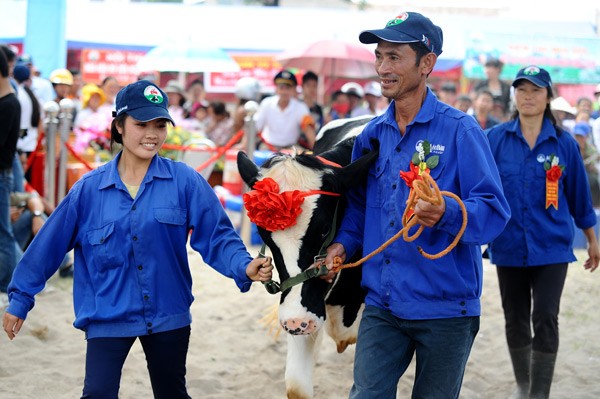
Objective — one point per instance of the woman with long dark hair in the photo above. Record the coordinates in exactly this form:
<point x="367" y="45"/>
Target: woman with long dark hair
<point x="545" y="182"/>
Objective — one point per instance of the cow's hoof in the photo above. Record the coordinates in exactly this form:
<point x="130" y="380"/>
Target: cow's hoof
<point x="299" y="326"/>
<point x="294" y="394"/>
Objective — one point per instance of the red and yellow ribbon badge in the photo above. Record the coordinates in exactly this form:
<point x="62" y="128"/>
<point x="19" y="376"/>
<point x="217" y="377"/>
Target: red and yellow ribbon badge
<point x="553" y="173"/>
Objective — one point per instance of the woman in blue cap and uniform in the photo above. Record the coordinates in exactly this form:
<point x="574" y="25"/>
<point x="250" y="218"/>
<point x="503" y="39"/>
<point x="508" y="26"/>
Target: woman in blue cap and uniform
<point x="545" y="183"/>
<point x="129" y="222"/>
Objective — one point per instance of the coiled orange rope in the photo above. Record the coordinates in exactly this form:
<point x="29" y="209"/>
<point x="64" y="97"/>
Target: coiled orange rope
<point x="427" y="190"/>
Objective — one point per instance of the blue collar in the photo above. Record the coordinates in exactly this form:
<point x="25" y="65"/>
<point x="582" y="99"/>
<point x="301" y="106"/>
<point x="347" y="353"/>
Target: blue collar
<point x="548" y="129"/>
<point x="158" y="168"/>
<point x="424" y="115"/>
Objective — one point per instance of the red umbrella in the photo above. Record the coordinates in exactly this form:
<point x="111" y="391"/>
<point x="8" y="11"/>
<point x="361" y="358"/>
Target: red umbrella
<point x="330" y="59"/>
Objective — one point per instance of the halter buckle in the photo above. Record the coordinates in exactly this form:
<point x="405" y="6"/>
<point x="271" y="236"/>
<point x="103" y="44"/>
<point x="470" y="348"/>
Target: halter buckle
<point x="319" y="259"/>
<point x="272" y="287"/>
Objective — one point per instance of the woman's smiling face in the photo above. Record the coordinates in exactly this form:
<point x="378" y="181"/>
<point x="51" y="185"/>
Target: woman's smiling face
<point x="143" y="139"/>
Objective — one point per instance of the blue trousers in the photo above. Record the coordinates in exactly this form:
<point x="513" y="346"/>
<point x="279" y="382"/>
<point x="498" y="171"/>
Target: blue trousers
<point x="387" y="344"/>
<point x="18" y="175"/>
<point x="10" y="252"/>
<point x="166" y="354"/>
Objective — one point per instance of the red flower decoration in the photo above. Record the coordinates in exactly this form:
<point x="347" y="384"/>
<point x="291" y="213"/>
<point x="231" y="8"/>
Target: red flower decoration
<point x="270" y="209"/>
<point x="412" y="175"/>
<point x="554" y="173"/>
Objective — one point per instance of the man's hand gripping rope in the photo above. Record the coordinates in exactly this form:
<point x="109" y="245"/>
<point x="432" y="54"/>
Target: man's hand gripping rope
<point x="427" y="190"/>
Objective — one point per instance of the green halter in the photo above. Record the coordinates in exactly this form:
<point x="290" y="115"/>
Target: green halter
<point x="273" y="287"/>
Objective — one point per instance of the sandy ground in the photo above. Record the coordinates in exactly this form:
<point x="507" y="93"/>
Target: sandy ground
<point x="233" y="355"/>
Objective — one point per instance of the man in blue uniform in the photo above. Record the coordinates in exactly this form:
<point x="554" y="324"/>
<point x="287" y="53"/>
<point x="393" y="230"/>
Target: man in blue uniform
<point x="415" y="305"/>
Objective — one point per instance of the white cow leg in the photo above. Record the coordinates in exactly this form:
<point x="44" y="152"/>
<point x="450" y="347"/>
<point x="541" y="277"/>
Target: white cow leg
<point x="300" y="364"/>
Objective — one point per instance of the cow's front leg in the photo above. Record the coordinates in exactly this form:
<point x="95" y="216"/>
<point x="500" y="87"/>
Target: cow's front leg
<point x="301" y="357"/>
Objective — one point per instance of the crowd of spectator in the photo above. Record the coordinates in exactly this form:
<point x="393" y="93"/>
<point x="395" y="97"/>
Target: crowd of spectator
<point x="490" y="102"/>
<point x="289" y="117"/>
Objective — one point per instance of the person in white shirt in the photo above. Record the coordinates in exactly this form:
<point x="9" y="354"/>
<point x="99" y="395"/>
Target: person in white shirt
<point x="30" y="113"/>
<point x="283" y="119"/>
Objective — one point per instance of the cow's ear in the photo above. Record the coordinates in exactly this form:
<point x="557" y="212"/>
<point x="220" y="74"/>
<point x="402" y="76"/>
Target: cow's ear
<point x="357" y="172"/>
<point x="248" y="169"/>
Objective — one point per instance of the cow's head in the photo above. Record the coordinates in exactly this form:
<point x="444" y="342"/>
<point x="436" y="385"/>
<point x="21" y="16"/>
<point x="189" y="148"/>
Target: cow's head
<point x="296" y="243"/>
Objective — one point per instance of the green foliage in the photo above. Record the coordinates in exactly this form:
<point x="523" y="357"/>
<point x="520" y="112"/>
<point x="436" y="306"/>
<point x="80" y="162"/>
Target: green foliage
<point x="432" y="161"/>
<point x="415" y="159"/>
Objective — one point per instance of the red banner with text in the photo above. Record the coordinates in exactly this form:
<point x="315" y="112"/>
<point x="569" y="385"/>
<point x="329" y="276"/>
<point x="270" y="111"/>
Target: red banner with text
<point x="261" y="66"/>
<point x="97" y="64"/>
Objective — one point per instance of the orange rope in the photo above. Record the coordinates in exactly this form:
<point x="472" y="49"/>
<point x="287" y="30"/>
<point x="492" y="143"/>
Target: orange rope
<point x="221" y="150"/>
<point x="270" y="146"/>
<point x="217" y="151"/>
<point x="192" y="147"/>
<point x="78" y="157"/>
<point x="427" y="190"/>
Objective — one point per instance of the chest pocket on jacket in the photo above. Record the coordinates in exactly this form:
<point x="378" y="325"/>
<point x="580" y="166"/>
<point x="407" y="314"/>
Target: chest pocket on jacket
<point x="106" y="248"/>
<point x="510" y="172"/>
<point x="174" y="216"/>
<point x="511" y="175"/>
<point x="376" y="182"/>
<point x="437" y="172"/>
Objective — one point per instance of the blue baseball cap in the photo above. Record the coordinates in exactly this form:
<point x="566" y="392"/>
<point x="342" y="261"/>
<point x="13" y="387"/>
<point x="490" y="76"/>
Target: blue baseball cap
<point x="21" y="73"/>
<point x="582" y="129"/>
<point x="408" y="27"/>
<point x="536" y="75"/>
<point x="143" y="101"/>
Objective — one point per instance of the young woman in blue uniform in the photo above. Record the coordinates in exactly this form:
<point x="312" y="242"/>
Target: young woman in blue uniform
<point x="129" y="223"/>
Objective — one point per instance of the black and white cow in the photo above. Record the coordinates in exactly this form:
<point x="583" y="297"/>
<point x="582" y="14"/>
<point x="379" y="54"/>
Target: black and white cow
<point x="306" y="307"/>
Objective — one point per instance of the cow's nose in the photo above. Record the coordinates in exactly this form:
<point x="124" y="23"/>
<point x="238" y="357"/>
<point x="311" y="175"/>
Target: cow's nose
<point x="299" y="326"/>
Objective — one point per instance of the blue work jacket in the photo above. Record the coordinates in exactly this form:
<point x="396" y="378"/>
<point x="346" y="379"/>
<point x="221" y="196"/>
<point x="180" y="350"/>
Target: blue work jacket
<point x="400" y="279"/>
<point x="131" y="271"/>
<point x="538" y="235"/>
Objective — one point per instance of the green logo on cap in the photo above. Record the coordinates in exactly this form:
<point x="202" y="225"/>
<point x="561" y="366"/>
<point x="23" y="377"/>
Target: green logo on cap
<point x="153" y="95"/>
<point x="398" y="20"/>
<point x="531" y="71"/>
